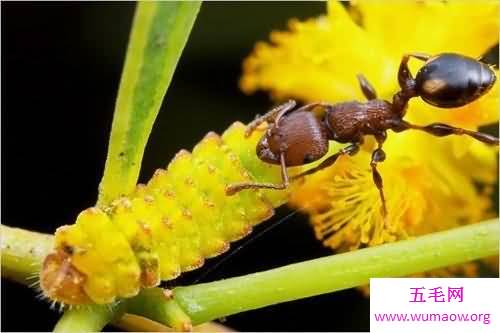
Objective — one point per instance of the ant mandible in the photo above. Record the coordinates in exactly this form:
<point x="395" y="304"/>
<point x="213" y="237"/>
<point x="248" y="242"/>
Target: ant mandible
<point x="297" y="137"/>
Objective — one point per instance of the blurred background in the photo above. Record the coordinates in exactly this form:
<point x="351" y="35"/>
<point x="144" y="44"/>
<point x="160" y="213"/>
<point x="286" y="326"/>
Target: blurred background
<point x="61" y="66"/>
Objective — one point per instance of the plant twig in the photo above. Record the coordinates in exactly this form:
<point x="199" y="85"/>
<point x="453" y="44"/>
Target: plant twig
<point x="89" y="318"/>
<point x="208" y="301"/>
<point x="23" y="252"/>
<point x="134" y="323"/>
<point x="160" y="31"/>
<point x="159" y="306"/>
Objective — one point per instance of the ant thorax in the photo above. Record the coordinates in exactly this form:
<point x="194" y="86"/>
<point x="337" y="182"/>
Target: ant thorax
<point x="350" y="121"/>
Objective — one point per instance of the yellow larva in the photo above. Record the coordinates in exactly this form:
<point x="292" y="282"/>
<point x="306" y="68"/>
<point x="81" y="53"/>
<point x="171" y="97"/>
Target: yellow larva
<point x="166" y="227"/>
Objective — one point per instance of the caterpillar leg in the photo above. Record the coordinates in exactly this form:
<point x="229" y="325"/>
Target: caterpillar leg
<point x="235" y="188"/>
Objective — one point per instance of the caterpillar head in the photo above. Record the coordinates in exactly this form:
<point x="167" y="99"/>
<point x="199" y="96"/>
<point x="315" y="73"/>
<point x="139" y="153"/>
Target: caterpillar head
<point x="61" y="281"/>
<point x="92" y="262"/>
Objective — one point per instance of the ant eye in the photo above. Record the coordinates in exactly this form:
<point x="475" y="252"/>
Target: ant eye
<point x="309" y="158"/>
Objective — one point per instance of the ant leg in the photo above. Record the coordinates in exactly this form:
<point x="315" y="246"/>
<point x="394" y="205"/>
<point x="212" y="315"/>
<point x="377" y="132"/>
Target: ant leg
<point x="235" y="188"/>
<point x="310" y="107"/>
<point x="378" y="156"/>
<point x="349" y="150"/>
<point x="405" y="78"/>
<point x="273" y="116"/>
<point x="366" y="87"/>
<point x="407" y="84"/>
<point x="419" y="56"/>
<point x="439" y="129"/>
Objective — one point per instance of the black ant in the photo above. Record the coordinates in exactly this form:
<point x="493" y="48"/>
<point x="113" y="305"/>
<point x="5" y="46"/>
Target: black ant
<point x="297" y="136"/>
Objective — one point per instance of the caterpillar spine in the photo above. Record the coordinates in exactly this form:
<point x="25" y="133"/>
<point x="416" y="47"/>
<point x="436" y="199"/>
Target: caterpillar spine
<point x="166" y="227"/>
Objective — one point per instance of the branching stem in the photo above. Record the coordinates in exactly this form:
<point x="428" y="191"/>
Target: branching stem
<point x="208" y="301"/>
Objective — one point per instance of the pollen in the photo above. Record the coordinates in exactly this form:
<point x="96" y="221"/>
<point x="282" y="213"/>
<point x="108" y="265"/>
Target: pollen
<point x="166" y="222"/>
<point x="187" y="213"/>
<point x="209" y="204"/>
<point x="189" y="181"/>
<point x="211" y="168"/>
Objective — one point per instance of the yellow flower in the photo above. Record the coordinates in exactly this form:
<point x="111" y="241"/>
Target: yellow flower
<point x="430" y="183"/>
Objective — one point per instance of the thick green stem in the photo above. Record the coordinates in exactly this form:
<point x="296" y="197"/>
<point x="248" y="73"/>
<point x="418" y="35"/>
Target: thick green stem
<point x="88" y="318"/>
<point x="23" y="253"/>
<point x="155" y="304"/>
<point x="208" y="301"/>
<point x="159" y="34"/>
<point x="204" y="302"/>
<point x="134" y="323"/>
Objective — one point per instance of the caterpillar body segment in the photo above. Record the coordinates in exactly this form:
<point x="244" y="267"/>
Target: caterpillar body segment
<point x="167" y="226"/>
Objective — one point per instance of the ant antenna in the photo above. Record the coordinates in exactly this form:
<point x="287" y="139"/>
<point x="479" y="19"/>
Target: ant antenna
<point x="249" y="240"/>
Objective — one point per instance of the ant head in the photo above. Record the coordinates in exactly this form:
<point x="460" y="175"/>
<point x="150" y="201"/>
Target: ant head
<point x="451" y="80"/>
<point x="264" y="151"/>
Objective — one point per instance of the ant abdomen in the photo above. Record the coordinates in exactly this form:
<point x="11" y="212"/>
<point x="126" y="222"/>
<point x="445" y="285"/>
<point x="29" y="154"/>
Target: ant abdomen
<point x="451" y="80"/>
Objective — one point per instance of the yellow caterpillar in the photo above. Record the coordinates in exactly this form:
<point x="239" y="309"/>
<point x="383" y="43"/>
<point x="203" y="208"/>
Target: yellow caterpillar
<point x="166" y="227"/>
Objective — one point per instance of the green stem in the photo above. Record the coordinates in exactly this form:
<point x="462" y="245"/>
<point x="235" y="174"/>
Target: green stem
<point x="208" y="301"/>
<point x="156" y="305"/>
<point x="134" y="323"/>
<point x="88" y="318"/>
<point x="159" y="33"/>
<point x="23" y="253"/>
